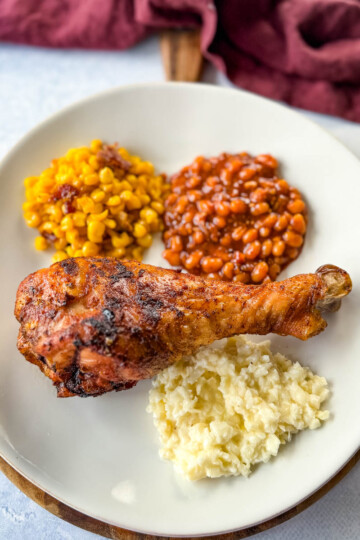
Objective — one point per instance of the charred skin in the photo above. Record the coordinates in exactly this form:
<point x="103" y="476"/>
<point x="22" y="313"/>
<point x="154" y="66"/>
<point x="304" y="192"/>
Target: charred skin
<point x="93" y="325"/>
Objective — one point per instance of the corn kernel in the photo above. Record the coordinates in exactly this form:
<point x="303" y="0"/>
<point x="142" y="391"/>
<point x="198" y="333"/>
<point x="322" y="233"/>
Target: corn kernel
<point x="145" y="199"/>
<point x="47" y="226"/>
<point x="30" y="181"/>
<point x="90" y="249"/>
<point x="126" y="195"/>
<point x="91" y="179"/>
<point x="60" y="244"/>
<point x="79" y="219"/>
<point x="107" y="188"/>
<point x="111" y="223"/>
<point x="59" y="233"/>
<point x="94" y="162"/>
<point x="59" y="256"/>
<point x="56" y="213"/>
<point x="95" y="231"/>
<point x="96" y="145"/>
<point x="106" y="175"/>
<point x="114" y="200"/>
<point x="158" y="207"/>
<point x="78" y="253"/>
<point x="86" y="169"/>
<point x="40" y="243"/>
<point x="125" y="186"/>
<point x="101" y="216"/>
<point x="32" y="219"/>
<point x="86" y="204"/>
<point x="146" y="241"/>
<point x="148" y="214"/>
<point x="136" y="253"/>
<point x="29" y="206"/>
<point x="98" y="208"/>
<point x="118" y="252"/>
<point x="121" y="240"/>
<point x="72" y="236"/>
<point x="67" y="223"/>
<point x="139" y="230"/>
<point x="98" y="195"/>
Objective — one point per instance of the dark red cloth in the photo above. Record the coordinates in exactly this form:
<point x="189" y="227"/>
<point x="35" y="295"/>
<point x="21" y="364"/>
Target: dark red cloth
<point x="303" y="52"/>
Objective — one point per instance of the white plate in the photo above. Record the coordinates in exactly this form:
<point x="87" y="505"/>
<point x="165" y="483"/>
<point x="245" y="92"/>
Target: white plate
<point x="101" y="455"/>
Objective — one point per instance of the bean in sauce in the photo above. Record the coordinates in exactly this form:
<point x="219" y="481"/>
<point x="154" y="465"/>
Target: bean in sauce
<point x="233" y="217"/>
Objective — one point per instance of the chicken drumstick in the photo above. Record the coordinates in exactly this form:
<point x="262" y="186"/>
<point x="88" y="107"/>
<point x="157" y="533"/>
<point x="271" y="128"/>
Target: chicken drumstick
<point x="94" y="325"/>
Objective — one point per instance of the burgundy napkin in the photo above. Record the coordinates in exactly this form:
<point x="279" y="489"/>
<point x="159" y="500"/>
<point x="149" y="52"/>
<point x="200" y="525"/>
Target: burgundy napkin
<point x="303" y="52"/>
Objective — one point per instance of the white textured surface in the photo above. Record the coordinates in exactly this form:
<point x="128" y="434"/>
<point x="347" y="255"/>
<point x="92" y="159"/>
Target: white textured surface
<point x="34" y="83"/>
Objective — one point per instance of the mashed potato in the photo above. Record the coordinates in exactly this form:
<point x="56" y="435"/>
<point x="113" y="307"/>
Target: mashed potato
<point x="231" y="405"/>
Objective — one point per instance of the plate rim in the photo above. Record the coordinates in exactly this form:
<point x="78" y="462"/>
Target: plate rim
<point x="201" y="87"/>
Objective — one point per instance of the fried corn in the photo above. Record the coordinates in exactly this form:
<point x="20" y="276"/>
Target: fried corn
<point x="83" y="206"/>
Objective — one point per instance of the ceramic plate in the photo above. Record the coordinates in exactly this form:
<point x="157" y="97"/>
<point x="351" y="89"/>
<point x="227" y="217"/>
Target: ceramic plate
<point x="100" y="455"/>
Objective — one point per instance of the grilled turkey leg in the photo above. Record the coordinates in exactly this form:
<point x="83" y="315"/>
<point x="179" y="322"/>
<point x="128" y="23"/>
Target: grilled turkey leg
<point x="93" y="325"/>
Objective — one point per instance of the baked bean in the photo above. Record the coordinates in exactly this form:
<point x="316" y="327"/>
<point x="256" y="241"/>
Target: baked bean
<point x="226" y="175"/>
<point x="193" y="260"/>
<point x="206" y="207"/>
<point x="199" y="219"/>
<point x="211" y="264"/>
<point x="239" y="257"/>
<point x="213" y="275"/>
<point x="222" y="208"/>
<point x="260" y="272"/>
<point x="226" y="240"/>
<point x="260" y="208"/>
<point x="274" y="271"/>
<point x="298" y="223"/>
<point x="250" y="236"/>
<point x="296" y="206"/>
<point x="259" y="195"/>
<point x="176" y="243"/>
<point x="194" y="195"/>
<point x="185" y="229"/>
<point x="266" y="248"/>
<point x="212" y="181"/>
<point x="247" y="173"/>
<point x="238" y="233"/>
<point x="250" y="186"/>
<point x="295" y="194"/>
<point x="252" y="250"/>
<point x="172" y="257"/>
<point x="189" y="216"/>
<point x="236" y="215"/>
<point x="219" y="222"/>
<point x="193" y="182"/>
<point x="242" y="277"/>
<point x="281" y="223"/>
<point x="172" y="198"/>
<point x="181" y="204"/>
<point x="238" y="206"/>
<point x="264" y="231"/>
<point x="235" y="165"/>
<point x="228" y="270"/>
<point x="270" y="220"/>
<point x="282" y="186"/>
<point x="278" y="248"/>
<point x="292" y="253"/>
<point x="293" y="239"/>
<point x="266" y="159"/>
<point x="198" y="237"/>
